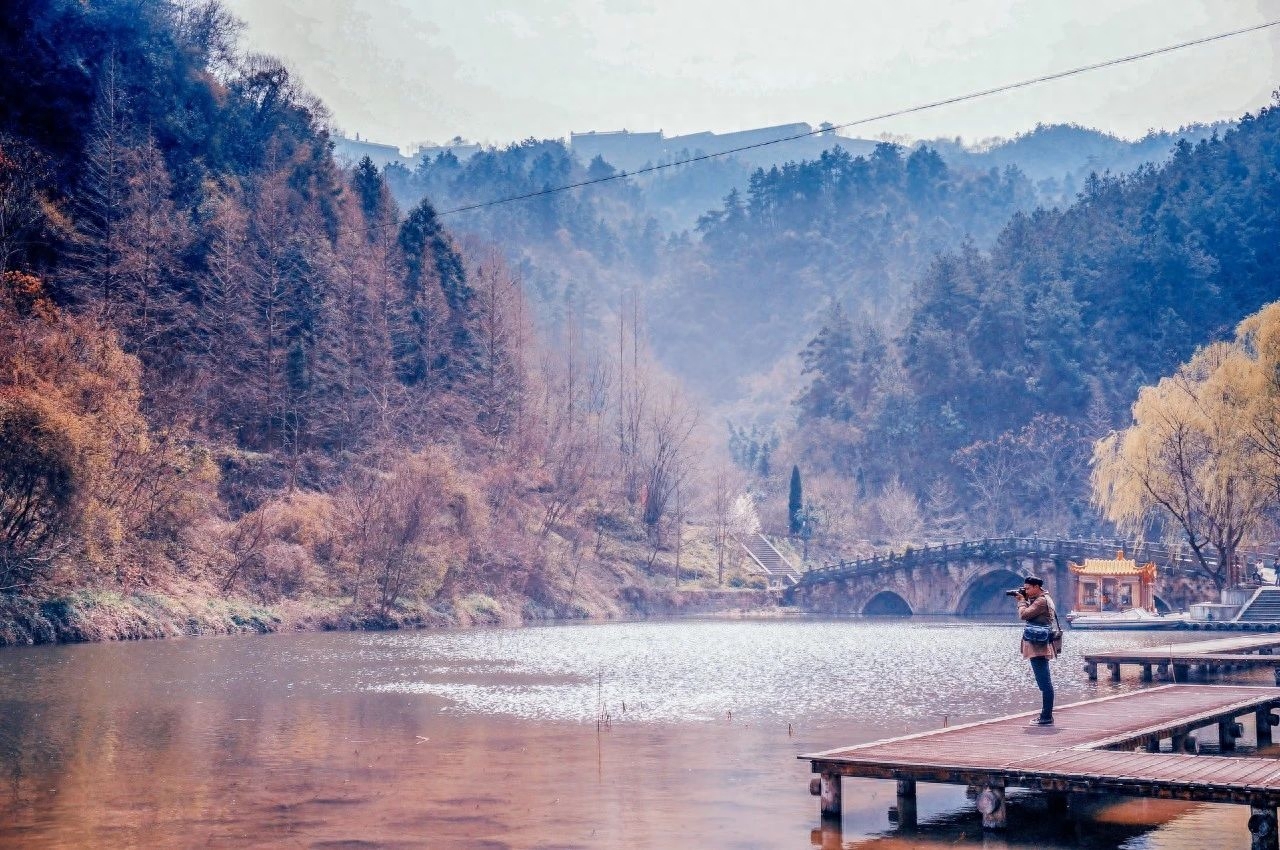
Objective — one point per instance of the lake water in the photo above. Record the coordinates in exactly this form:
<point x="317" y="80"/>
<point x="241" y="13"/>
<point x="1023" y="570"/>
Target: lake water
<point x="672" y="734"/>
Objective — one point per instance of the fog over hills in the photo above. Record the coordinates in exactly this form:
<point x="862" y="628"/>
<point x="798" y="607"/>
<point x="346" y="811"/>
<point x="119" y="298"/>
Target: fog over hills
<point x="717" y="321"/>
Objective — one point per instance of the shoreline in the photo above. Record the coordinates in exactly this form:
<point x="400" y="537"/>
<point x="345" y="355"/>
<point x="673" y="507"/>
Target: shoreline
<point x="97" y="616"/>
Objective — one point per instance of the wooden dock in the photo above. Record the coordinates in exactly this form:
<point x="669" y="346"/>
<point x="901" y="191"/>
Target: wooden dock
<point x="1109" y="745"/>
<point x="1176" y="660"/>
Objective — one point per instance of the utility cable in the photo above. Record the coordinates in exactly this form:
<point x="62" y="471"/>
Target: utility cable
<point x="922" y="107"/>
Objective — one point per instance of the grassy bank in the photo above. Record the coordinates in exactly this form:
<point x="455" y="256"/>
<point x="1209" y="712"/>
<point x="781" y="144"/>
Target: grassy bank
<point x="621" y="579"/>
<point x="86" y="615"/>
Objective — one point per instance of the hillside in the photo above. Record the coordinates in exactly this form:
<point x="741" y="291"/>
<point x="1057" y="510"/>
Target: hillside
<point x="1015" y="358"/>
<point x="241" y="388"/>
<point x="1058" y="158"/>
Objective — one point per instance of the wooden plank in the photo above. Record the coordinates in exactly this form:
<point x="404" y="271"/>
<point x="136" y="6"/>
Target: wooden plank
<point x="1181" y="651"/>
<point x="1247" y="770"/>
<point x="1071" y="756"/>
<point x="1192" y="721"/>
<point x="1190" y="658"/>
<point x="1008" y="718"/>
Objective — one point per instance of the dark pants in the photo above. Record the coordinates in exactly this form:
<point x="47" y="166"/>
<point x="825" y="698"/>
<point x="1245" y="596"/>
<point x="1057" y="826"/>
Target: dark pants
<point x="1040" y="667"/>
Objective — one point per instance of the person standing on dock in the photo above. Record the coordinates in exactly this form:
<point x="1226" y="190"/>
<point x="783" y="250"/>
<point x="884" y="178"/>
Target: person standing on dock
<point x="1036" y="608"/>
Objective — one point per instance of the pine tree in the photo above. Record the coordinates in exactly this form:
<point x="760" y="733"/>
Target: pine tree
<point x="795" y="502"/>
<point x="829" y="359"/>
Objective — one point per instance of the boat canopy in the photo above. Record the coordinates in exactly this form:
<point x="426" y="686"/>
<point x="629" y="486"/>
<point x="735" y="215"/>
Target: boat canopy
<point x="1118" y="566"/>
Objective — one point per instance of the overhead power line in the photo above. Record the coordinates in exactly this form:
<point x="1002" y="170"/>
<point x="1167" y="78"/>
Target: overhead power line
<point x="1097" y="66"/>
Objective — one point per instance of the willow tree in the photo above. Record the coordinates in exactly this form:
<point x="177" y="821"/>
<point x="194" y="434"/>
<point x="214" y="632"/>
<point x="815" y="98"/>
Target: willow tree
<point x="1259" y="335"/>
<point x="1187" y="459"/>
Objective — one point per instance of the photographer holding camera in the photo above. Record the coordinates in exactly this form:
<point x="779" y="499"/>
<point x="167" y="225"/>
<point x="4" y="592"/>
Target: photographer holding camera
<point x="1041" y="639"/>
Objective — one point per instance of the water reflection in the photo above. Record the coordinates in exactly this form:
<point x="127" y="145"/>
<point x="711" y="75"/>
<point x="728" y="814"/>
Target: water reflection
<point x="667" y="734"/>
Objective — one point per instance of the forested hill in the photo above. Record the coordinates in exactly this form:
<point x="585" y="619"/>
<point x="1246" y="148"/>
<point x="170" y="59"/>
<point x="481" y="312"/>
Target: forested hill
<point x="860" y="229"/>
<point x="1058" y="158"/>
<point x="738" y="294"/>
<point x="1014" y="358"/>
<point x="740" y="291"/>
<point x="239" y="386"/>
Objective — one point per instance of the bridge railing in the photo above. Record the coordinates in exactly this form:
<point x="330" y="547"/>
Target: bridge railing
<point x="1171" y="557"/>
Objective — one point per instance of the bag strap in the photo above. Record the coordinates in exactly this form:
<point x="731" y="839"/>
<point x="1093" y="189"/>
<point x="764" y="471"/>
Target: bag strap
<point x="1053" y="610"/>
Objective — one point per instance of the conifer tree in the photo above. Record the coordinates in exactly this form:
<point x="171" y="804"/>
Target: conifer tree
<point x="795" y="502"/>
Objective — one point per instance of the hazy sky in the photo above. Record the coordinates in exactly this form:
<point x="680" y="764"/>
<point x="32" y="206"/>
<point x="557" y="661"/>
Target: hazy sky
<point x="407" y="71"/>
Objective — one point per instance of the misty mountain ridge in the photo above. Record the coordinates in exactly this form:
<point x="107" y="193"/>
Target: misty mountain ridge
<point x="1057" y="158"/>
<point x="648" y="235"/>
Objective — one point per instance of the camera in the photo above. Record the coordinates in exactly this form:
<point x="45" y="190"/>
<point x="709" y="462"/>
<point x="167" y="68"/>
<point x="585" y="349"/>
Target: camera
<point x="1017" y="591"/>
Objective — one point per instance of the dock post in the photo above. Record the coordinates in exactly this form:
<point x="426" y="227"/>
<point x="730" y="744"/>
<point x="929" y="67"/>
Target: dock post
<point x="1152" y="744"/>
<point x="991" y="805"/>
<point x="1262" y="828"/>
<point x="1146" y="672"/>
<point x="1115" y="671"/>
<point x="829" y="836"/>
<point x="1091" y="670"/>
<point x="829" y="796"/>
<point x="907" y="804"/>
<point x="1057" y="803"/>
<point x="1263" y="721"/>
<point x="1162" y="671"/>
<point x="1228" y="731"/>
<point x="1181" y="672"/>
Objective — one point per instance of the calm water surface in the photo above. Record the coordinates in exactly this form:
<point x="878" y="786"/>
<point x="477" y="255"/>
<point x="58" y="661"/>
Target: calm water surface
<point x="678" y="734"/>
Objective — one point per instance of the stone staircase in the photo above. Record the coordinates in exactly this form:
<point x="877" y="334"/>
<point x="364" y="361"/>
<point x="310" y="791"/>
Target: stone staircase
<point x="1264" y="607"/>
<point x="777" y="569"/>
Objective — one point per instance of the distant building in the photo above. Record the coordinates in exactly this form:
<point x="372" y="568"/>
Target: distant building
<point x="627" y="150"/>
<point x="621" y="148"/>
<point x="351" y="151"/>
<point x="348" y="152"/>
<point x="716" y="142"/>
<point x="463" y="151"/>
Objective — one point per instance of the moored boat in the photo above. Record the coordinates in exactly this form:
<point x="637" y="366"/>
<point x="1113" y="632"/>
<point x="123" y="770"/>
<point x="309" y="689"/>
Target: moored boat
<point x="1133" y="618"/>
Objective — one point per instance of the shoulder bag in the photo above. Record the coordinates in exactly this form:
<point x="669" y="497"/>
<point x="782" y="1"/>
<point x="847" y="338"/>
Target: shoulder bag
<point x="1043" y="634"/>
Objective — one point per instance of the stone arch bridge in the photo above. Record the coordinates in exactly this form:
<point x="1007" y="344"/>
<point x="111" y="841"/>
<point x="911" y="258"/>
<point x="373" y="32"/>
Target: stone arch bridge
<point x="969" y="578"/>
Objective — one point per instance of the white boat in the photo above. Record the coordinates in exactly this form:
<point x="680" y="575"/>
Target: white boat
<point x="1133" y="618"/>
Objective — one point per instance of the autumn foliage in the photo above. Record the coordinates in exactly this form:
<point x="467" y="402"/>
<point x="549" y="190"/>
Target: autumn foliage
<point x="231" y="367"/>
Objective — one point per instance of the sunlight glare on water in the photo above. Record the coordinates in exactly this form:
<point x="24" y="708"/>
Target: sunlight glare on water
<point x="902" y="673"/>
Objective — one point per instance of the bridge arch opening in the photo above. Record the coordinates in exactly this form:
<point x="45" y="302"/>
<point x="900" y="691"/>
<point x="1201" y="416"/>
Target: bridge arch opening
<point x="886" y="603"/>
<point x="984" y="597"/>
